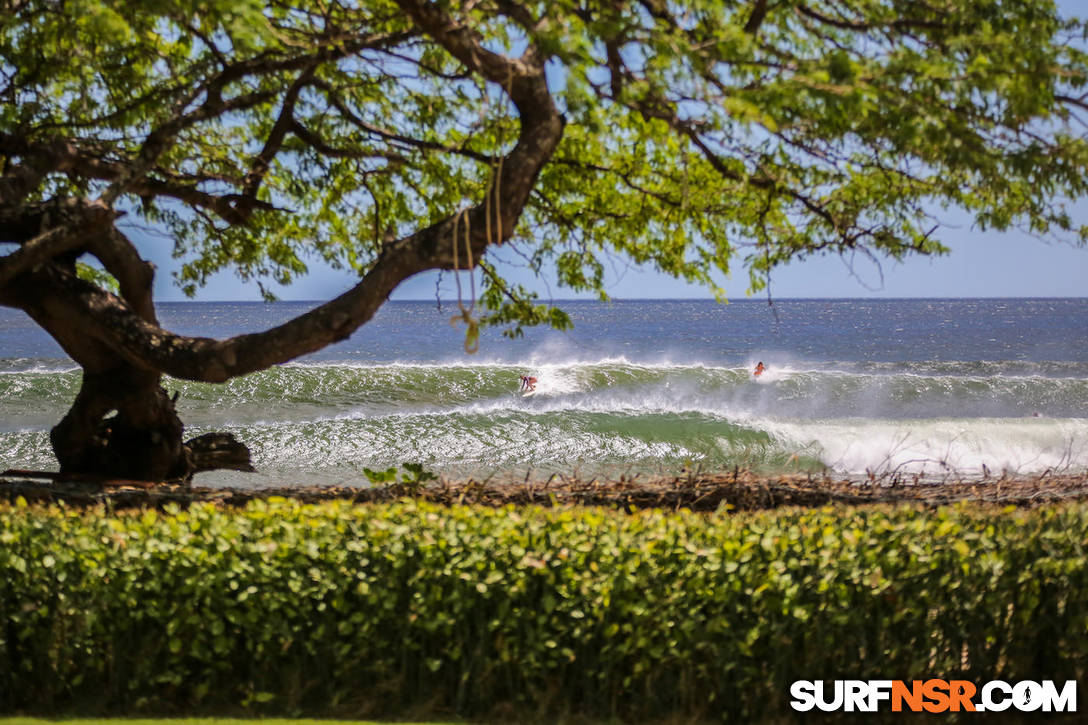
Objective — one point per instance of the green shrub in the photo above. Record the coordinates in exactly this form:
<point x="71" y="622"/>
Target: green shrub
<point x="335" y="609"/>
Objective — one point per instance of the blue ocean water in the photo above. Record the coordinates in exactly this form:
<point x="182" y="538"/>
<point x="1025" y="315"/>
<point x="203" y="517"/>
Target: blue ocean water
<point x="924" y="386"/>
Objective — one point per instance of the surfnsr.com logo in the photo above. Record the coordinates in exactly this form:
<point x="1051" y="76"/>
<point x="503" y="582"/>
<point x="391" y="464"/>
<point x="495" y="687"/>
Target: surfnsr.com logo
<point x="932" y="696"/>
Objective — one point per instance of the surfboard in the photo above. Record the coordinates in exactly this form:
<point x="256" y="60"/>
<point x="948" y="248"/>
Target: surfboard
<point x="528" y="394"/>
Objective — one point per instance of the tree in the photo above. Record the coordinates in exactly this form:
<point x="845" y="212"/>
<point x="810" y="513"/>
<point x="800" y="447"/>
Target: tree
<point x="398" y="136"/>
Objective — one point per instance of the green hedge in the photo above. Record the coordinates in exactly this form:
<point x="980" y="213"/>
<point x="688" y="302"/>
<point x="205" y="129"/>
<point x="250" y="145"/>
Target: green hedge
<point x="339" y="610"/>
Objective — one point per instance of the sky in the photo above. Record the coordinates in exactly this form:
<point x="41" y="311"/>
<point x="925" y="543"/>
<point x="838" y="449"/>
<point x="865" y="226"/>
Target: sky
<point x="980" y="264"/>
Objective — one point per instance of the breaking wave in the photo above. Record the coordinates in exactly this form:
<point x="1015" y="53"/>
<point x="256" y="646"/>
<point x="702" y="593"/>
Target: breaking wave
<point x="309" y="422"/>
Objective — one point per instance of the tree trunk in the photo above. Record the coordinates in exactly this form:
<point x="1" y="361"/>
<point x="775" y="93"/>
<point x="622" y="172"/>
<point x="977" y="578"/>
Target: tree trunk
<point x="121" y="424"/>
<point x="124" y="425"/>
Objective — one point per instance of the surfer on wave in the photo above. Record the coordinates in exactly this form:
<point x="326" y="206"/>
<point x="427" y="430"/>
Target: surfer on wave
<point x="760" y="367"/>
<point x="528" y="384"/>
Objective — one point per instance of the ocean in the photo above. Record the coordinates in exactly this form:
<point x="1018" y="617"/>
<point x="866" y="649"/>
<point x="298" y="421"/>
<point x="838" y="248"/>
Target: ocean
<point x="912" y="386"/>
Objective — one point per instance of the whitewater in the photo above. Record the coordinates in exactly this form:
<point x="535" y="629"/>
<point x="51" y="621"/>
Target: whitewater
<point x="926" y="387"/>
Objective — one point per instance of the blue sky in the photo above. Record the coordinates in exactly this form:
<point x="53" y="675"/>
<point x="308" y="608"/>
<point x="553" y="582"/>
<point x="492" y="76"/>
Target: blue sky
<point x="979" y="265"/>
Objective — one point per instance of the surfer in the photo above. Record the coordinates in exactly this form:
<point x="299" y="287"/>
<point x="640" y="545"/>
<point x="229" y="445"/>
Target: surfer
<point x="528" y="384"/>
<point x="760" y="367"/>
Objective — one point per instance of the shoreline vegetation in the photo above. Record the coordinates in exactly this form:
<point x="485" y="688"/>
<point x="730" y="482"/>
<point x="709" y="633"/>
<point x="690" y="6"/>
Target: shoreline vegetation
<point x="524" y="614"/>
<point x="736" y="490"/>
<point x="82" y="720"/>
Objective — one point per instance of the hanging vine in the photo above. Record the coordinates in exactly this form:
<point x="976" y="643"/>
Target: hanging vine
<point x="492" y="210"/>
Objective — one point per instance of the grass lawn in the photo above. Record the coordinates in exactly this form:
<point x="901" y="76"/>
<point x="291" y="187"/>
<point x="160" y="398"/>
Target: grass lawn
<point x="190" y="721"/>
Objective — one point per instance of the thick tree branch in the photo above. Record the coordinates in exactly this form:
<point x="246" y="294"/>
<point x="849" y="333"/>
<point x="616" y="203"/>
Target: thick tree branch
<point x="68" y="156"/>
<point x="350" y="116"/>
<point x="52" y="294"/>
<point x="335" y="49"/>
<point x="55" y="294"/>
<point x="58" y="295"/>
<point x="1081" y="102"/>
<point x="465" y="44"/>
<point x="759" y="12"/>
<point x="134" y="276"/>
<point x="165" y="135"/>
<point x="143" y="344"/>
<point x="274" y="142"/>
<point x="19" y="181"/>
<point x="39" y="250"/>
<point x="525" y="82"/>
<point x="521" y="15"/>
<point x="844" y="24"/>
<point x="663" y="110"/>
<point x="69" y="225"/>
<point x="317" y="143"/>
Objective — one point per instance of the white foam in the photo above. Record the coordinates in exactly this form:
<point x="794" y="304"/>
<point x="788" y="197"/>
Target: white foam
<point x="553" y="380"/>
<point x="939" y="446"/>
<point x="534" y="361"/>
<point x="41" y="369"/>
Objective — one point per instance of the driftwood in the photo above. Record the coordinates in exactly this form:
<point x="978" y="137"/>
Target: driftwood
<point x="735" y="491"/>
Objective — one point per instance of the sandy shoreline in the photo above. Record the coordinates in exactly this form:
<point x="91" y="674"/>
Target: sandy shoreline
<point x="729" y="491"/>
